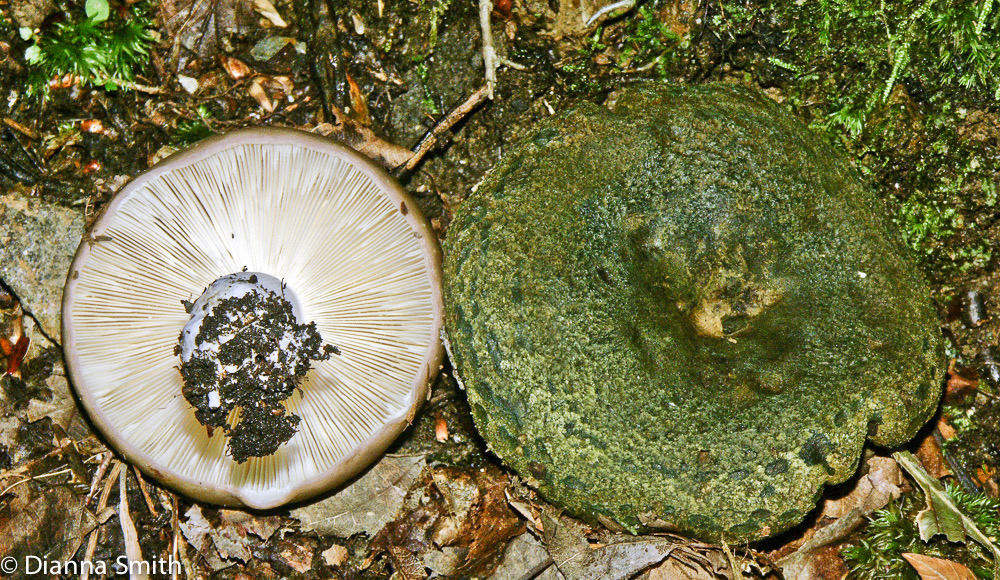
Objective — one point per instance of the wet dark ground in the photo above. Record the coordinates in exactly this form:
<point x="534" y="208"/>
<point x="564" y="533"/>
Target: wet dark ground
<point x="399" y="72"/>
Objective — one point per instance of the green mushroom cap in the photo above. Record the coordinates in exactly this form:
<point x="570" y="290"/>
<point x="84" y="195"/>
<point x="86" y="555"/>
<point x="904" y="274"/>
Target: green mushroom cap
<point x="684" y="311"/>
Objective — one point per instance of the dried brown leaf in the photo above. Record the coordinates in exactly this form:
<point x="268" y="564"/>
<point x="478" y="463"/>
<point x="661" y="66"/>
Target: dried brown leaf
<point x="368" y="503"/>
<point x="51" y="522"/>
<point x="620" y="558"/>
<point x="196" y="528"/>
<point x="204" y="26"/>
<point x="930" y="456"/>
<point x="803" y="563"/>
<point x="335" y="555"/>
<point x="364" y="140"/>
<point x="230" y="541"/>
<point x="460" y="491"/>
<point x="219" y="546"/>
<point x="445" y="562"/>
<point x="946" y="430"/>
<point x="524" y="557"/>
<point x="359" y="105"/>
<point x="406" y="564"/>
<point x="878" y="485"/>
<point x="872" y="491"/>
<point x="236" y="68"/>
<point x="937" y="569"/>
<point x="298" y="555"/>
<point x="260" y="95"/>
<point x="825" y="563"/>
<point x="267" y="10"/>
<point x="494" y="524"/>
<point x="958" y="385"/>
<point x="671" y="569"/>
<point x="261" y="526"/>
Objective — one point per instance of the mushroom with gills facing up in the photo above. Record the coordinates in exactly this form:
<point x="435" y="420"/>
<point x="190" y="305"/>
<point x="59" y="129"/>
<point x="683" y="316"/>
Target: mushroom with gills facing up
<point x="255" y="319"/>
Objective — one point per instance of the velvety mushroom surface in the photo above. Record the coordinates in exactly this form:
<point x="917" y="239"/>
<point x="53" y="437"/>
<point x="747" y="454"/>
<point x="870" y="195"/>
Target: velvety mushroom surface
<point x="255" y="319"/>
<point x="684" y="311"/>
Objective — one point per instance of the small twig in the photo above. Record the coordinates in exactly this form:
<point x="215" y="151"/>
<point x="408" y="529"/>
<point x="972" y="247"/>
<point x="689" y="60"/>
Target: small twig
<point x="101" y="505"/>
<point x="18" y="471"/>
<point x="447" y="123"/>
<point x="491" y="60"/>
<point x="20" y="128"/>
<point x="176" y="532"/>
<point x="614" y="6"/>
<point x="133" y="551"/>
<point x="734" y="566"/>
<point x="106" y="492"/>
<point x="144" y="488"/>
<point x="489" y="53"/>
<point x="141" y="88"/>
<point x="33" y="478"/>
<point x="101" y="470"/>
<point x="180" y="543"/>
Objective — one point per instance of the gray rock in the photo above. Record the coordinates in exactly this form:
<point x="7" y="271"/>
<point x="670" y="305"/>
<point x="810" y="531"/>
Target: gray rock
<point x="685" y="312"/>
<point x="31" y="13"/>
<point x="37" y="243"/>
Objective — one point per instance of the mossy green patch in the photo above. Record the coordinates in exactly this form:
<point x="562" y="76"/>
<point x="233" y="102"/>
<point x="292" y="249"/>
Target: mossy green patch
<point x="685" y="311"/>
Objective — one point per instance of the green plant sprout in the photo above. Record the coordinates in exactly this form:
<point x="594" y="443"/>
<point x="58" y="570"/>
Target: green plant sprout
<point x="925" y="222"/>
<point x="190" y="131"/>
<point x="437" y="9"/>
<point x="649" y="41"/>
<point x="96" y="50"/>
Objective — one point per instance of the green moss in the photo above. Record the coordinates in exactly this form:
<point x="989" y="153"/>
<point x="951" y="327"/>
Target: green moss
<point x="961" y="418"/>
<point x="427" y="102"/>
<point x="435" y="9"/>
<point x="890" y="83"/>
<point x="925" y="222"/>
<point x="893" y="531"/>
<point x="649" y="43"/>
<point x="190" y="131"/>
<point x="934" y="219"/>
<point x="95" y="49"/>
<point x="937" y="43"/>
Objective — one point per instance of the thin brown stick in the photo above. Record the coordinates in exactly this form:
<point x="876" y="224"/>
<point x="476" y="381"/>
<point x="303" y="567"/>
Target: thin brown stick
<point x="116" y="469"/>
<point x="490" y="61"/>
<point x="175" y="530"/>
<point x="20" y="128"/>
<point x="101" y="504"/>
<point x="141" y="88"/>
<point x="101" y="470"/>
<point x="180" y="543"/>
<point x="133" y="551"/>
<point x="34" y="478"/>
<point x="447" y="123"/>
<point x="144" y="488"/>
<point x="23" y="468"/>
